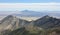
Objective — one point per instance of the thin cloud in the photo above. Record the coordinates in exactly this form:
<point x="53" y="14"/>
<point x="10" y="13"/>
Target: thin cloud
<point x="30" y="6"/>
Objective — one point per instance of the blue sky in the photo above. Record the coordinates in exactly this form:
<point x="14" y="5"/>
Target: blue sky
<point x="28" y="1"/>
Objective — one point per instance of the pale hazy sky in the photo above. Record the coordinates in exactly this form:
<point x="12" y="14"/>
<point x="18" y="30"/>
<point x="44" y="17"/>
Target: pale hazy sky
<point x="35" y="5"/>
<point x="30" y="6"/>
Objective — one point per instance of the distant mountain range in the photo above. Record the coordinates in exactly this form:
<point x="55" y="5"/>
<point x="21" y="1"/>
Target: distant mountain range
<point x="31" y="13"/>
<point x="35" y="13"/>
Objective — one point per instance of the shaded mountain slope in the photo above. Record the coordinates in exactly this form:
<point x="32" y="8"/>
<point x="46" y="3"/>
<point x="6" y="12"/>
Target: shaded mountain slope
<point x="47" y="22"/>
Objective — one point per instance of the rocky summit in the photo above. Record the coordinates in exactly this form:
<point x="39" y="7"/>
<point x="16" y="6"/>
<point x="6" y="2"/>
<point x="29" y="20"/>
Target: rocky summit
<point x="12" y="22"/>
<point x="47" y="22"/>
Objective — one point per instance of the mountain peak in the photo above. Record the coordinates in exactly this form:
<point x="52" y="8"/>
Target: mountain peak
<point x="7" y="18"/>
<point x="26" y="11"/>
<point x="12" y="22"/>
<point x="47" y="22"/>
<point x="47" y="16"/>
<point x="10" y="16"/>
